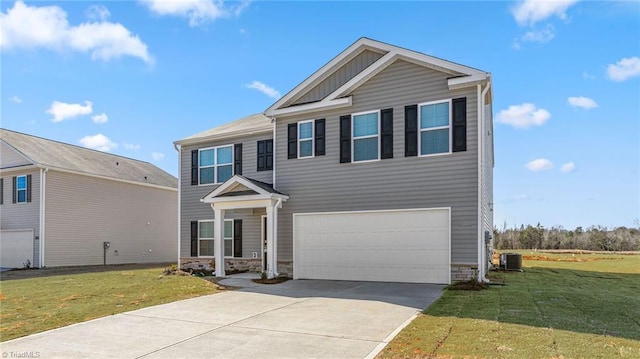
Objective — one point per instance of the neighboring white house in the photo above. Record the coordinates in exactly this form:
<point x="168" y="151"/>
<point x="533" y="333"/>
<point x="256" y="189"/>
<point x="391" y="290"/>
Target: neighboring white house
<point x="60" y="203"/>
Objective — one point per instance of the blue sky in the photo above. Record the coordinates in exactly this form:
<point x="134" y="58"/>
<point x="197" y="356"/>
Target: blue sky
<point x="131" y="77"/>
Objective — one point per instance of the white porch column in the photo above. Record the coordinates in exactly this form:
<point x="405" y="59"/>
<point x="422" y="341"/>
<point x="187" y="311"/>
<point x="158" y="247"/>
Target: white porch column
<point x="218" y="243"/>
<point x="271" y="259"/>
<point x="275" y="239"/>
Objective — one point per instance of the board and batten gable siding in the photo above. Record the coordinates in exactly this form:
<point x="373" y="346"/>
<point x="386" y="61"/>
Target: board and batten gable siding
<point x="191" y="209"/>
<point x="340" y="77"/>
<point x="11" y="158"/>
<point x="82" y="212"/>
<point x="22" y="215"/>
<point x="323" y="184"/>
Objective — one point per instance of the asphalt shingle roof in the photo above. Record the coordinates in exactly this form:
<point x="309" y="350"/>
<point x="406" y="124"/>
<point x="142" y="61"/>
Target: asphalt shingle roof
<point x="244" y="126"/>
<point x="49" y="153"/>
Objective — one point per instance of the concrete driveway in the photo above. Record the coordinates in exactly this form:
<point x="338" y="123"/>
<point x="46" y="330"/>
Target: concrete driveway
<point x="295" y="319"/>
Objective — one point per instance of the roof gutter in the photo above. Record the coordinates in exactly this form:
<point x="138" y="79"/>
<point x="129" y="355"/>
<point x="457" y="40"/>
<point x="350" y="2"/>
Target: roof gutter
<point x="227" y="135"/>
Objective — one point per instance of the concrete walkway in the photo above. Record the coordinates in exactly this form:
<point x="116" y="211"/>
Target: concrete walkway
<point x="295" y="319"/>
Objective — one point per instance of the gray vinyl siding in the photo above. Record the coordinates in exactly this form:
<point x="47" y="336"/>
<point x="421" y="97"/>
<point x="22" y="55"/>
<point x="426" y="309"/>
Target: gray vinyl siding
<point x="322" y="184"/>
<point x="23" y="215"/>
<point x="81" y="212"/>
<point x="340" y="77"/>
<point x="10" y="157"/>
<point x="191" y="209"/>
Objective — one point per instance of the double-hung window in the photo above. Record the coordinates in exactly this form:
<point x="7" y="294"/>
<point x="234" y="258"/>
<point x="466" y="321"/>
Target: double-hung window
<point x="21" y="189"/>
<point x="305" y="139"/>
<point x="435" y="128"/>
<point x="215" y="164"/>
<point x="366" y="136"/>
<point x="206" y="238"/>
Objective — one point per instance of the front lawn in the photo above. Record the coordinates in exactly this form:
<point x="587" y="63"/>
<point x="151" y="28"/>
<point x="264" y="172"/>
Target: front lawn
<point x="34" y="305"/>
<point x="561" y="306"/>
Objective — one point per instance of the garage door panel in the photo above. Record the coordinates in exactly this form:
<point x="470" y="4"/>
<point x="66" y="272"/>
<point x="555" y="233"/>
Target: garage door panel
<point x="404" y="246"/>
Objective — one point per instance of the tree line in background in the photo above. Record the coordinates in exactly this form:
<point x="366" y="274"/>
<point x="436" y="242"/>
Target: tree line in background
<point x="595" y="238"/>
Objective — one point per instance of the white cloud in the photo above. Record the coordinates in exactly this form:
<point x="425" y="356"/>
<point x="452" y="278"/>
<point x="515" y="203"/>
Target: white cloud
<point x="568" y="167"/>
<point x="582" y="102"/>
<point x="101" y="118"/>
<point x="15" y="99"/>
<point x="542" y="36"/>
<point x="524" y="115"/>
<point x="540" y="164"/>
<point x="529" y="12"/>
<point x="63" y="111"/>
<point x="624" y="69"/>
<point x="158" y="156"/>
<point x="97" y="12"/>
<point x="587" y="76"/>
<point x="98" y="142"/>
<point x="30" y="27"/>
<point x="198" y="12"/>
<point x="130" y="146"/>
<point x="265" y="89"/>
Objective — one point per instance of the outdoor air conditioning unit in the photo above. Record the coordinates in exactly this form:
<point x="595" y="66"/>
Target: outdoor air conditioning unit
<point x="511" y="261"/>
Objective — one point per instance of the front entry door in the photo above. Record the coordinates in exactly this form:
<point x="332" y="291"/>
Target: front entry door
<point x="264" y="243"/>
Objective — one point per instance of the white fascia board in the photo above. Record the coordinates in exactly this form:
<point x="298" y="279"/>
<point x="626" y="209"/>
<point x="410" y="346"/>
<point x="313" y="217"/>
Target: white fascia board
<point x="315" y="106"/>
<point x="223" y="136"/>
<point x="232" y="183"/>
<point x="467" y="81"/>
<point x="9" y="170"/>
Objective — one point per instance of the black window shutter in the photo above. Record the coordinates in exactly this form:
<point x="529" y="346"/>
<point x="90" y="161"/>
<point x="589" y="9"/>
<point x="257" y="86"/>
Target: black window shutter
<point x="194" y="167"/>
<point x="28" y="188"/>
<point x="15" y="194"/>
<point x="319" y="137"/>
<point x="194" y="238"/>
<point x="237" y="238"/>
<point x="386" y="139"/>
<point x="459" y="124"/>
<point x="269" y="155"/>
<point x="345" y="139"/>
<point x="1" y="190"/>
<point x="262" y="155"/>
<point x="411" y="130"/>
<point x="237" y="159"/>
<point x="292" y="140"/>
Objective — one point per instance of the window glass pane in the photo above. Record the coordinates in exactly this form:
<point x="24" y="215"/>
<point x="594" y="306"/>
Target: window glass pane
<point x="206" y="175"/>
<point x="365" y="149"/>
<point x="22" y="196"/>
<point x="206" y="230"/>
<point x="206" y="158"/>
<point x="22" y="182"/>
<point x="224" y="155"/>
<point x="224" y="173"/>
<point x="228" y="248"/>
<point x="305" y="129"/>
<point x="365" y="125"/>
<point x="206" y="248"/>
<point x="435" y="115"/>
<point x="305" y="148"/>
<point x="228" y="229"/>
<point x="435" y="141"/>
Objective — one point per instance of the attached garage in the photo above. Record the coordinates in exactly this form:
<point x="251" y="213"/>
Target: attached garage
<point x="17" y="248"/>
<point x="388" y="246"/>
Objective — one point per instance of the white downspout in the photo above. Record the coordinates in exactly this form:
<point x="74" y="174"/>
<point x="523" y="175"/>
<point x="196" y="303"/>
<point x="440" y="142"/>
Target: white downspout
<point x="179" y="149"/>
<point x="481" y="120"/>
<point x="43" y="193"/>
<point x="273" y="171"/>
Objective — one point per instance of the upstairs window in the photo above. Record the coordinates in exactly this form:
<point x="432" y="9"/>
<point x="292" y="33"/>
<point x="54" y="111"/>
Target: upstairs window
<point x="305" y="139"/>
<point x="435" y="128"/>
<point x="215" y="164"/>
<point x="366" y="136"/>
<point x="21" y="189"/>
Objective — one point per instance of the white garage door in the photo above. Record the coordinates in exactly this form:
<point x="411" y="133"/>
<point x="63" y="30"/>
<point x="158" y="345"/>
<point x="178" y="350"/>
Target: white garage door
<point x="387" y="246"/>
<point x="16" y="248"/>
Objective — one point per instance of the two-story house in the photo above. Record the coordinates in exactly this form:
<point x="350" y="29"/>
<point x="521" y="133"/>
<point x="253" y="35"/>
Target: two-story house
<point x="377" y="167"/>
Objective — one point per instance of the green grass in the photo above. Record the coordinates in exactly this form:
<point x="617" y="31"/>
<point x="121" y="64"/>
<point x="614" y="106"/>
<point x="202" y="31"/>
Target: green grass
<point x="33" y="305"/>
<point x="584" y="306"/>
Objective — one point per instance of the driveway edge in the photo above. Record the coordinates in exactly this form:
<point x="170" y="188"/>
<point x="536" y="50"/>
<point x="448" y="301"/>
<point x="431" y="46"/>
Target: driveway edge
<point x="390" y="337"/>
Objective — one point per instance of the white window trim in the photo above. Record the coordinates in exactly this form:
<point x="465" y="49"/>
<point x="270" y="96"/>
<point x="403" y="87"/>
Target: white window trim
<point x="26" y="185"/>
<point x="312" y="139"/>
<point x="215" y="165"/>
<point x="420" y="130"/>
<point x="213" y="239"/>
<point x="353" y="137"/>
<point x="204" y="239"/>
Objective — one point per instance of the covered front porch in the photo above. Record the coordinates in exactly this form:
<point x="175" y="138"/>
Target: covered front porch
<point x="242" y="193"/>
